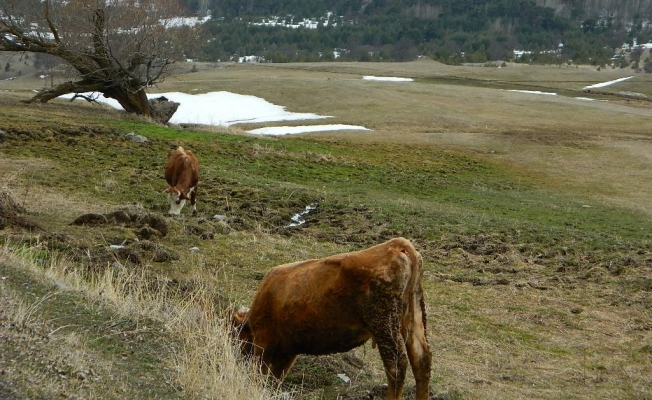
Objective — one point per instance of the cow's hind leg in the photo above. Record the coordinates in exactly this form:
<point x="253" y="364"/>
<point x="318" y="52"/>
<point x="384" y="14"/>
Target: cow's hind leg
<point x="416" y="344"/>
<point x="387" y="335"/>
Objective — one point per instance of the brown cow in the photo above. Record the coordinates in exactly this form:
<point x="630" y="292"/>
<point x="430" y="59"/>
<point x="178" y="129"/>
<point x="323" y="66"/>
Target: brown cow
<point x="182" y="174"/>
<point x="335" y="304"/>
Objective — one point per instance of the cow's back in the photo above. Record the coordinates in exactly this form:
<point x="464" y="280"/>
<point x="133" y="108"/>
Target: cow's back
<point x="181" y="166"/>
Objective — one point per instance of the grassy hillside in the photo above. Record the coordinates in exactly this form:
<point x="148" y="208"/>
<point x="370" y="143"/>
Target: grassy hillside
<point x="533" y="214"/>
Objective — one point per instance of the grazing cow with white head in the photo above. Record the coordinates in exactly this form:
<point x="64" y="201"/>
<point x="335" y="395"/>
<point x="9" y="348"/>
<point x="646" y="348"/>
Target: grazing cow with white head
<point x="337" y="303"/>
<point x="182" y="174"/>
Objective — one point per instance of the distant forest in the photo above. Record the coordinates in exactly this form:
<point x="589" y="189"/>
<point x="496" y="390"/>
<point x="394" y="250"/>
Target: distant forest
<point x="450" y="31"/>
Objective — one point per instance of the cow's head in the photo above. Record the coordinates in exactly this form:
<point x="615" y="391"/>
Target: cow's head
<point x="177" y="199"/>
<point x="241" y="330"/>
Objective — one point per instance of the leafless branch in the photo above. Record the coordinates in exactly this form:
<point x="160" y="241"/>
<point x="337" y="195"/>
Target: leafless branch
<point x="53" y="29"/>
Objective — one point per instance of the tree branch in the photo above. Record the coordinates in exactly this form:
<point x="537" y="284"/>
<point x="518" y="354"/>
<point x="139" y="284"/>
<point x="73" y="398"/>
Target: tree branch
<point x="53" y="29"/>
<point x="23" y="42"/>
<point x="99" y="46"/>
<point x="45" y="95"/>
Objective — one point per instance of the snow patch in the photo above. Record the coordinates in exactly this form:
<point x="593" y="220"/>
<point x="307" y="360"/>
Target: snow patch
<point x="386" y="79"/>
<point x="297" y="219"/>
<point x="287" y="130"/>
<point x="603" y="84"/>
<point x="533" y="92"/>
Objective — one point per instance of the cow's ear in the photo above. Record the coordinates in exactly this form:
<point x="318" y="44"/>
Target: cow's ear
<point x="236" y="318"/>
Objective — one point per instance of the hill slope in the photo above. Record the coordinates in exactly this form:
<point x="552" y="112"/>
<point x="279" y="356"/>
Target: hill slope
<point x="531" y="212"/>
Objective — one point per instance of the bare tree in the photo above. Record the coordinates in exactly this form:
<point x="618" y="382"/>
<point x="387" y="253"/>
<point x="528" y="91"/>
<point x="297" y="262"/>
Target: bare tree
<point x="116" y="47"/>
<point x="48" y="63"/>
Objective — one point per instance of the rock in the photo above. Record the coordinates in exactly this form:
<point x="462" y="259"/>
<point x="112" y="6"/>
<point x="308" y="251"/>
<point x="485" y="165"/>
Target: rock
<point x="117" y="266"/>
<point x="344" y="378"/>
<point x="162" y="109"/>
<point x="136" y="138"/>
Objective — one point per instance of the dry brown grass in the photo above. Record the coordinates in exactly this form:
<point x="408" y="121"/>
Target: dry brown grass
<point x="55" y="352"/>
<point x="204" y="359"/>
<point x="16" y="177"/>
<point x="533" y="343"/>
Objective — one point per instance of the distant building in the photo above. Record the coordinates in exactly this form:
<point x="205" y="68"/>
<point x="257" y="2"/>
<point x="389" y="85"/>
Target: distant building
<point x="635" y="45"/>
<point x="248" y="59"/>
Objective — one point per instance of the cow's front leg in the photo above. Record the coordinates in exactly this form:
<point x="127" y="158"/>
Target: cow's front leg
<point x="193" y="200"/>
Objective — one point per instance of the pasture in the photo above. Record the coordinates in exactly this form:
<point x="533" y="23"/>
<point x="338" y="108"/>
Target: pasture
<point x="533" y="214"/>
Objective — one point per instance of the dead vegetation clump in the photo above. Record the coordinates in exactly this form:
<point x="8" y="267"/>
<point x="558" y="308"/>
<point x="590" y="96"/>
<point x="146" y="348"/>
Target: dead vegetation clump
<point x="11" y="214"/>
<point x="134" y="216"/>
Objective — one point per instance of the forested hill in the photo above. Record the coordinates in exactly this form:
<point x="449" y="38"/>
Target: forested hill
<point x="624" y="11"/>
<point x="451" y="31"/>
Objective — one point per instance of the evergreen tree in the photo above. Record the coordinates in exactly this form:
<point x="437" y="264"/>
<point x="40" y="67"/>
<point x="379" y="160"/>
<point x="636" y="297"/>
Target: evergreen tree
<point x="450" y="31"/>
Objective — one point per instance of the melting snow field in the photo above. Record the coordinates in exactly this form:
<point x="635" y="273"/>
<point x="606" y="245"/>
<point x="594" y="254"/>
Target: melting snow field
<point x="225" y="109"/>
<point x="221" y="108"/>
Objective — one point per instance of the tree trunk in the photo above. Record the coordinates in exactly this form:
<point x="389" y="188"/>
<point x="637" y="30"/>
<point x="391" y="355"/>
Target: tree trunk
<point x="132" y="102"/>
